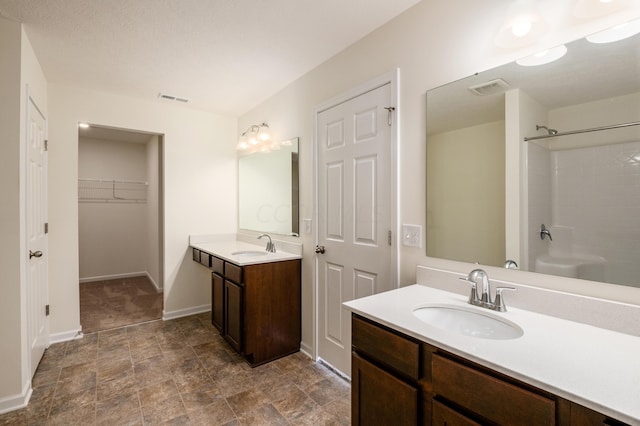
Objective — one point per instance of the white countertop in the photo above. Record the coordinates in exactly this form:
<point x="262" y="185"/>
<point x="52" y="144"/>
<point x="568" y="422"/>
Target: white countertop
<point x="591" y="366"/>
<point x="224" y="247"/>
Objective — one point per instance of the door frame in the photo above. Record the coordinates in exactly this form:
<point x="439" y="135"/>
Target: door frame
<point x="392" y="78"/>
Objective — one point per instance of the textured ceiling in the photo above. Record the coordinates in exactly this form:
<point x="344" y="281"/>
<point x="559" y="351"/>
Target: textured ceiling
<point x="226" y="56"/>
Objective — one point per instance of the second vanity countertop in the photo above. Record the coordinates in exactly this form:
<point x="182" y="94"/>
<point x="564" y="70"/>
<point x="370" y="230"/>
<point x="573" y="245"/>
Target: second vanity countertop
<point x="225" y="248"/>
<point x="590" y="366"/>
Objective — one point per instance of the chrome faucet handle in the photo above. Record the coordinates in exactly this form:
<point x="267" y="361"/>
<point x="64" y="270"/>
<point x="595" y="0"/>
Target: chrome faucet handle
<point x="544" y="232"/>
<point x="499" y="304"/>
<point x="473" y="296"/>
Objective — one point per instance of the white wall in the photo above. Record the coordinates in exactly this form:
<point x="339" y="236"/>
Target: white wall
<point x="432" y="43"/>
<point x="112" y="235"/>
<point x="199" y="175"/>
<point x="10" y="223"/>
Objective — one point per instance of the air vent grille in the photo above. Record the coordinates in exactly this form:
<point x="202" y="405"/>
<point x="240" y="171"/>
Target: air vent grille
<point x="172" y="98"/>
<point x="490" y="87"/>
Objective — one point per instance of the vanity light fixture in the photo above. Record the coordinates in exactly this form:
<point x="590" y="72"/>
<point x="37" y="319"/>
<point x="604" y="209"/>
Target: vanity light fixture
<point x="617" y="33"/>
<point x="522" y="27"/>
<point x="544" y="57"/>
<point x="256" y="138"/>
<point x="83" y="125"/>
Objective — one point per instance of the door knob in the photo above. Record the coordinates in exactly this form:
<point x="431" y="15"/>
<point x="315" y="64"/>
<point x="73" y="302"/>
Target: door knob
<point x="319" y="249"/>
<point x="35" y="254"/>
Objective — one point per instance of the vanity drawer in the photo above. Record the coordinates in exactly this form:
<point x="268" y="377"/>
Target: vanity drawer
<point x="443" y="415"/>
<point x="205" y="259"/>
<point x="195" y="255"/>
<point x="398" y="352"/>
<point x="489" y="396"/>
<point x="217" y="265"/>
<point x="233" y="272"/>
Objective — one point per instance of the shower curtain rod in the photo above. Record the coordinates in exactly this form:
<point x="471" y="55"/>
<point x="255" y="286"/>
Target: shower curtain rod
<point x="574" y="132"/>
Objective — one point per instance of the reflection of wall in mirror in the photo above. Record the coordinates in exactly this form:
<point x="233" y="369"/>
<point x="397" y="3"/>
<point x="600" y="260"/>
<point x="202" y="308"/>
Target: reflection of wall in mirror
<point x="265" y="182"/>
<point x="594" y="186"/>
<point x="465" y="194"/>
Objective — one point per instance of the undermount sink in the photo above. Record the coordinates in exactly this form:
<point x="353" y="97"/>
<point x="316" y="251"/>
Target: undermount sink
<point x="249" y="253"/>
<point x="468" y="322"/>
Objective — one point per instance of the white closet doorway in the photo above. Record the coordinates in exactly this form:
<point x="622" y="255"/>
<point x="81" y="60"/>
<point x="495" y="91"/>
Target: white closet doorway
<point x="119" y="226"/>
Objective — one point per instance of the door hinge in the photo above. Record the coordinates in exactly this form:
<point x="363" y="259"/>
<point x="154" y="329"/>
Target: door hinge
<point x="389" y="237"/>
<point x="390" y="114"/>
<point x="46" y="228"/>
<point x="46" y="145"/>
<point x="46" y="310"/>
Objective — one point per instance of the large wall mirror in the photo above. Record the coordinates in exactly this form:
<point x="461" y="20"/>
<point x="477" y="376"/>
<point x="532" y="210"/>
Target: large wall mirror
<point x="268" y="190"/>
<point x="517" y="147"/>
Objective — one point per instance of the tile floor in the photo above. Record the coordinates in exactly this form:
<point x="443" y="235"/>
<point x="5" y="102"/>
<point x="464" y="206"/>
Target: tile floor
<point x="177" y="372"/>
<point x="118" y="302"/>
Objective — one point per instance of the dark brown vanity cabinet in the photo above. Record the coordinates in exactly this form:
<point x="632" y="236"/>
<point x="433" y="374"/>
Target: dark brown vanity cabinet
<point x="399" y="380"/>
<point x="256" y="307"/>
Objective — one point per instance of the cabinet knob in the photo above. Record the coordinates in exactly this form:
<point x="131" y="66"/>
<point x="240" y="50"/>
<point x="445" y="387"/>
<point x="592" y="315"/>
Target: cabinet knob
<point x="319" y="249"/>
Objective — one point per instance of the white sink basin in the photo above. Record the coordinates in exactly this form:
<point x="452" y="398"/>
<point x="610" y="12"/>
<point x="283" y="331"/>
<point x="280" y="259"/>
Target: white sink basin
<point x="249" y="253"/>
<point x="468" y="322"/>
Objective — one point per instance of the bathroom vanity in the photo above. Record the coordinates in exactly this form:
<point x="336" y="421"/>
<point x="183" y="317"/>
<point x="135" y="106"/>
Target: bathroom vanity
<point x="406" y="370"/>
<point x="255" y="297"/>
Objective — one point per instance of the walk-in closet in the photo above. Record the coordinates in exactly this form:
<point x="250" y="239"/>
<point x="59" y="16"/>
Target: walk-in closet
<point x="119" y="216"/>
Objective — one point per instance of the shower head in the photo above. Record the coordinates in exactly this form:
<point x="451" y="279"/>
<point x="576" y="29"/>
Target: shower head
<point x="551" y="132"/>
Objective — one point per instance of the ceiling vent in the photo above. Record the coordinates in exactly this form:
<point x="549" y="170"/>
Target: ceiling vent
<point x="492" y="87"/>
<point x="172" y="98"/>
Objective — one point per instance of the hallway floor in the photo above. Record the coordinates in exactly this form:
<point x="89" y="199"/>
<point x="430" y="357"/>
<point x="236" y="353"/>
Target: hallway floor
<point x="177" y="372"/>
<point x="119" y="302"/>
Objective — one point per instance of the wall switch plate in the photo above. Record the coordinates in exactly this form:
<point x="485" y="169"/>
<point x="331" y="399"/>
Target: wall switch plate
<point x="307" y="226"/>
<point x="412" y="236"/>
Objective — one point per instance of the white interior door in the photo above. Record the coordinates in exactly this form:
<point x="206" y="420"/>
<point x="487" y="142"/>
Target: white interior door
<point x="354" y="212"/>
<point x="37" y="281"/>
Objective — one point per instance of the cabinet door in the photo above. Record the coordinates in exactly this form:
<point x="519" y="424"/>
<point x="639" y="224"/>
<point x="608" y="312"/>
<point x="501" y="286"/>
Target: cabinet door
<point x="217" y="301"/>
<point x="233" y="314"/>
<point x="379" y="398"/>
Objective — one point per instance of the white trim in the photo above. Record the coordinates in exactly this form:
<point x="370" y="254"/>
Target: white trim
<point x="16" y="402"/>
<point x="119" y="276"/>
<point x="169" y="315"/>
<point x="392" y="78"/>
<point x="306" y="349"/>
<point x="66" y="336"/>
<point x="113" y="277"/>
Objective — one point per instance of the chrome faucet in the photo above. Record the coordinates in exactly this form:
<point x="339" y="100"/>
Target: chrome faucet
<point x="271" y="248"/>
<point x="485" y="296"/>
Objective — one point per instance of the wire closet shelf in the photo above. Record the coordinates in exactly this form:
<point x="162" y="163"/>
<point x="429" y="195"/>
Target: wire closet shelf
<point x="111" y="191"/>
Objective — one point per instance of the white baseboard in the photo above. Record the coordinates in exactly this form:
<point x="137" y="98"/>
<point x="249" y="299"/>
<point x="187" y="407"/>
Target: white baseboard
<point x="306" y="349"/>
<point x="155" y="284"/>
<point x="169" y="315"/>
<point x="16" y="402"/>
<point x="65" y="336"/>
<point x="113" y="276"/>
<point x="119" y="276"/>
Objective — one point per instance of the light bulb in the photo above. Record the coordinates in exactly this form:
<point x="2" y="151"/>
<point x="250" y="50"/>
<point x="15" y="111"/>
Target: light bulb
<point x="521" y="28"/>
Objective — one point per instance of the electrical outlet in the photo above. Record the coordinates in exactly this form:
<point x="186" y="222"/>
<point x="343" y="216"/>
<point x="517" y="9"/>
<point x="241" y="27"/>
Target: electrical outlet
<point x="412" y="236"/>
